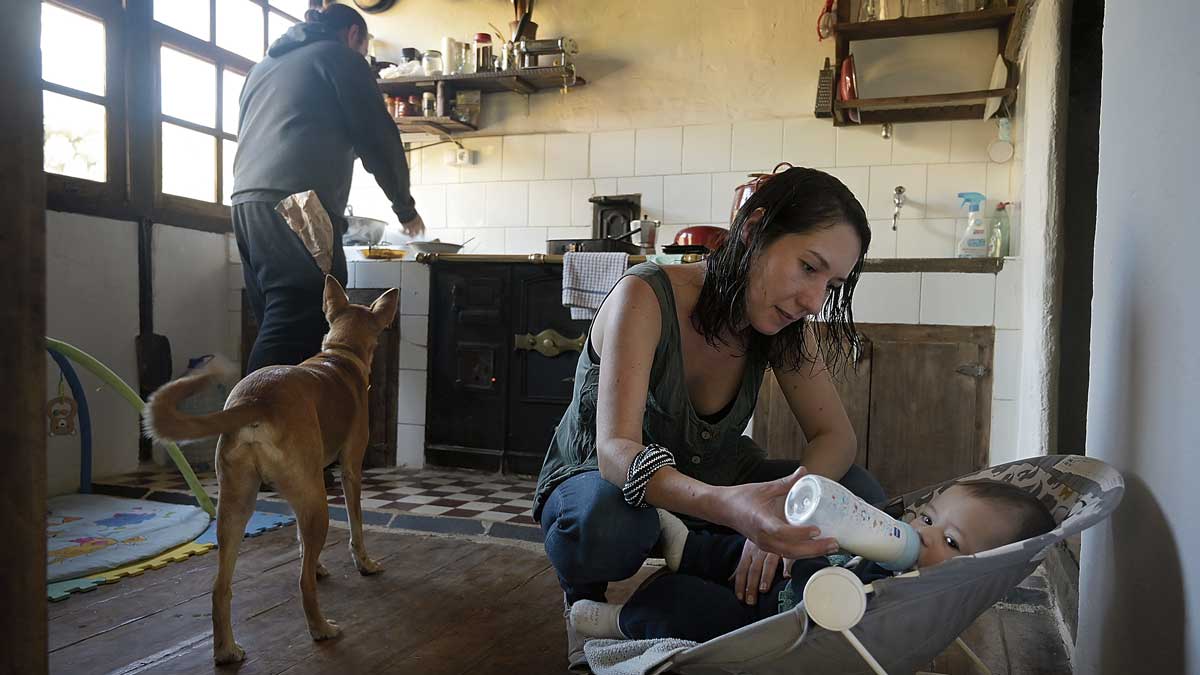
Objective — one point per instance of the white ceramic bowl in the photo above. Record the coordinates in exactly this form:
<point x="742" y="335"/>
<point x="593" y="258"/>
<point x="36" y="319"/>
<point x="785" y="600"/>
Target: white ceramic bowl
<point x="434" y="247"/>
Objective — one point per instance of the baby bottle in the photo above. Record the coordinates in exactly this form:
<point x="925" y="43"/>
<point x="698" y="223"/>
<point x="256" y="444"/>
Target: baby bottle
<point x="859" y="528"/>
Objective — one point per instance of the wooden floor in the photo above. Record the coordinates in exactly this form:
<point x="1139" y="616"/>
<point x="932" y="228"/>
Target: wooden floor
<point x="442" y="606"/>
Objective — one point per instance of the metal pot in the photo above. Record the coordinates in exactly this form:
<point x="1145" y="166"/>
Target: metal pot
<point x="362" y="231"/>
<point x="708" y="236"/>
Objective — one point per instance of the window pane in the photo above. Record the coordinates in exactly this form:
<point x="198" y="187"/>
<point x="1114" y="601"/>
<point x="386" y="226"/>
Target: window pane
<point x="72" y="50"/>
<point x="231" y="89"/>
<point x="277" y="24"/>
<point x="296" y="8"/>
<point x="189" y="87"/>
<point x="74" y="137"/>
<point x="189" y="163"/>
<point x="240" y="27"/>
<point x="228" y="150"/>
<point x="189" y="16"/>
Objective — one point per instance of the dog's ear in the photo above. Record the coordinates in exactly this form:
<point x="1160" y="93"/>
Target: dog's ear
<point x="335" y="296"/>
<point x="384" y="307"/>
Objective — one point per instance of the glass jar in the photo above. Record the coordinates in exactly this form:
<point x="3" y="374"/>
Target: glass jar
<point x="414" y="106"/>
<point x="431" y="62"/>
<point x="466" y="58"/>
<point x="483" y="53"/>
<point x="429" y="104"/>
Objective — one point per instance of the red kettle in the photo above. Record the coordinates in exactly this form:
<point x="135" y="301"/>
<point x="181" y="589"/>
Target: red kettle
<point x="742" y="192"/>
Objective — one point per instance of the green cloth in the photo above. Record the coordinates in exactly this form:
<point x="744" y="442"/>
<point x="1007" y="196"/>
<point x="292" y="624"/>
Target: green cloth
<point x="716" y="453"/>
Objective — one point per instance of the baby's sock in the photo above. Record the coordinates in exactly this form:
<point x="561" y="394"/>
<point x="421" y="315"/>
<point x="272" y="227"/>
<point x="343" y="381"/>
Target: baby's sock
<point x="596" y="619"/>
<point x="673" y="535"/>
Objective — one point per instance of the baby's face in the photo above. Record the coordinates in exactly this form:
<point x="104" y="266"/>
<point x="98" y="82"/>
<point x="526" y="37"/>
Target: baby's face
<point x="956" y="523"/>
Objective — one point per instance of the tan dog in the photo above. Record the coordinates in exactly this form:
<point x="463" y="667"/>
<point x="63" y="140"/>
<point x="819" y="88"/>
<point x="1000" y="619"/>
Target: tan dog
<point x="283" y="425"/>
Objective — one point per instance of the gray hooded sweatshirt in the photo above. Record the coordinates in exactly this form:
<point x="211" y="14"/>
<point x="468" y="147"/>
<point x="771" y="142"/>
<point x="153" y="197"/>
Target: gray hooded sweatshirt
<point x="307" y="110"/>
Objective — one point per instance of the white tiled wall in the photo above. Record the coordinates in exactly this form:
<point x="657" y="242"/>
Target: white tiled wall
<point x="960" y="300"/>
<point x="687" y="175"/>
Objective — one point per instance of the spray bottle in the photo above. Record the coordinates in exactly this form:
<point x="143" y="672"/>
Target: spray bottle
<point x="859" y="528"/>
<point x="974" y="240"/>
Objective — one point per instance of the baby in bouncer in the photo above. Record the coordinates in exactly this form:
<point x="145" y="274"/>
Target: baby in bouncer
<point x="699" y="602"/>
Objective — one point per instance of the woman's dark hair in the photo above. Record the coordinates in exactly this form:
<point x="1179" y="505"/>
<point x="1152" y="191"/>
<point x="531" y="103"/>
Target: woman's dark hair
<point x="336" y="18"/>
<point x="1032" y="518"/>
<point x="794" y="201"/>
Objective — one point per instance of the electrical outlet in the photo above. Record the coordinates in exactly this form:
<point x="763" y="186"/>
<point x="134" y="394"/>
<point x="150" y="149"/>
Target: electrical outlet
<point x="460" y="157"/>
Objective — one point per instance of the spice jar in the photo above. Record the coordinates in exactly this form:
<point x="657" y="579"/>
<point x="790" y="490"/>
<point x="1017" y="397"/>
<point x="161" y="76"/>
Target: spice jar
<point x="429" y="104"/>
<point x="414" y="106"/>
<point x="431" y="62"/>
<point x="483" y="53"/>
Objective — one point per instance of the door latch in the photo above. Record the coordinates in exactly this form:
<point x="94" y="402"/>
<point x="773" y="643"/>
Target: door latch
<point x="549" y="343"/>
<point x="973" y="370"/>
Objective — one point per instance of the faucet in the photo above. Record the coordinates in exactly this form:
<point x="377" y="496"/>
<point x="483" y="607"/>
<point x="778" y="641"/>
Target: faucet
<point x="898" y="200"/>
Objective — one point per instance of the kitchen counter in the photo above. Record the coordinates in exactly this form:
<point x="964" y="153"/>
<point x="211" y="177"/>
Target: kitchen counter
<point x="873" y="265"/>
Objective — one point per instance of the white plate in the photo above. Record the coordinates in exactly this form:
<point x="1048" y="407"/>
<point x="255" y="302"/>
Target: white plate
<point x="999" y="80"/>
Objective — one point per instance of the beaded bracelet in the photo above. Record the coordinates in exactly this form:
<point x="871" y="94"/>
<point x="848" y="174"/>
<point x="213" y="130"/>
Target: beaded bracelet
<point x="649" y="460"/>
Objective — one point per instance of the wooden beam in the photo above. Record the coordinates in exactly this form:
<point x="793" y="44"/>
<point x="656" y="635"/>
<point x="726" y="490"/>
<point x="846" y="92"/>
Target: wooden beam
<point x="22" y="332"/>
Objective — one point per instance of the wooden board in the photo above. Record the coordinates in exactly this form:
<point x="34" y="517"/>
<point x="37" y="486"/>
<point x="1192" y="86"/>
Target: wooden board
<point x="442" y="605"/>
<point x="22" y="331"/>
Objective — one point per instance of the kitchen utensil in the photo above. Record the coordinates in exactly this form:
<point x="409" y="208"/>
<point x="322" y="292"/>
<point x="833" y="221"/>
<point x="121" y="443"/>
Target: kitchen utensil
<point x="610" y="245"/>
<point x="648" y="231"/>
<point x="363" y="231"/>
<point x="678" y="249"/>
<point x="742" y="192"/>
<point x="848" y="88"/>
<point x="434" y="246"/>
<point x="372" y="253"/>
<point x="824" y="104"/>
<point x="999" y="81"/>
<point x="708" y="236"/>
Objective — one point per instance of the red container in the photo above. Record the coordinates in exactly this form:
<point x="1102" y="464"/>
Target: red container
<point x="707" y="236"/>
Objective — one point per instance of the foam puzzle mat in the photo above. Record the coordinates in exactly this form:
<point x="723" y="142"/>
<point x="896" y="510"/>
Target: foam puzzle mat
<point x="259" y="523"/>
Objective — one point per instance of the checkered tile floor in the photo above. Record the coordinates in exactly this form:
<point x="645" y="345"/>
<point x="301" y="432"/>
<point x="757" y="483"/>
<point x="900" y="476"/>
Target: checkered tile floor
<point x="451" y="493"/>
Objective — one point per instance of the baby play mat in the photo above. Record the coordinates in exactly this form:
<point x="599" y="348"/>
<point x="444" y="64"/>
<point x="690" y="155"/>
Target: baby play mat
<point x="92" y="533"/>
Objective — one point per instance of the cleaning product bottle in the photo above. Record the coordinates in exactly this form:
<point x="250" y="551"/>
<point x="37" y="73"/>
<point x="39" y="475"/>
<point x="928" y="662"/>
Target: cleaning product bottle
<point x="998" y="242"/>
<point x="974" y="240"/>
<point x="859" y="528"/>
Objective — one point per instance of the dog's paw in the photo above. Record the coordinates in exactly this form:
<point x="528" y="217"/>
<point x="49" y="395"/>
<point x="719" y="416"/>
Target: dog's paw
<point x="327" y="632"/>
<point x="234" y="655"/>
<point x="366" y="566"/>
<point x="322" y="572"/>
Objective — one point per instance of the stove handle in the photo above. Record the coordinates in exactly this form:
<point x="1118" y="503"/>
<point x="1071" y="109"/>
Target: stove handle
<point x="548" y="343"/>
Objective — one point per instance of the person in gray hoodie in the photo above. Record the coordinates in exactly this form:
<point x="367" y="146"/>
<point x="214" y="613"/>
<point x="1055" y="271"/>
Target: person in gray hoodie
<point x="307" y="110"/>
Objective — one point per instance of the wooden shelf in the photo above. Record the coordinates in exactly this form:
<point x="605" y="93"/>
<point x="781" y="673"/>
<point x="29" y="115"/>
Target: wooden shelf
<point x="436" y="126"/>
<point x="926" y="25"/>
<point x="523" y="81"/>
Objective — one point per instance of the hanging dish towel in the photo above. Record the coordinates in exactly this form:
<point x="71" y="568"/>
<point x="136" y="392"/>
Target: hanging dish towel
<point x="587" y="279"/>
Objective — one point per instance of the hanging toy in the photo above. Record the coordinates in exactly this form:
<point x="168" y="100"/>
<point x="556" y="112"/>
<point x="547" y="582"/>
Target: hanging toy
<point x="61" y="412"/>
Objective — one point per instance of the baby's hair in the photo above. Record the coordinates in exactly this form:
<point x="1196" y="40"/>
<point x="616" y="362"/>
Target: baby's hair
<point x="1033" y="518"/>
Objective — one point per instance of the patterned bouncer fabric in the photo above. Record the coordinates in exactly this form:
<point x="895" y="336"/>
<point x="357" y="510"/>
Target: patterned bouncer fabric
<point x="909" y="620"/>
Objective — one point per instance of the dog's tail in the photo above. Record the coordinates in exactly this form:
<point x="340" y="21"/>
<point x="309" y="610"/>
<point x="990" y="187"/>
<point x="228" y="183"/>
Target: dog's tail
<point x="162" y="420"/>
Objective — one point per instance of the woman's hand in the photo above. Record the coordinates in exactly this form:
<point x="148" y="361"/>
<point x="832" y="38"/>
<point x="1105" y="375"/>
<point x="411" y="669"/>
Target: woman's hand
<point x="756" y="511"/>
<point x="756" y="571"/>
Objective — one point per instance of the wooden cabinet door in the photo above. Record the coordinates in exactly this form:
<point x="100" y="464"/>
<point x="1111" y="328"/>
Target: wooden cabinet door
<point x="930" y="417"/>
<point x="776" y="429"/>
<point x="469" y="347"/>
<point x="919" y="401"/>
<point x="540" y="384"/>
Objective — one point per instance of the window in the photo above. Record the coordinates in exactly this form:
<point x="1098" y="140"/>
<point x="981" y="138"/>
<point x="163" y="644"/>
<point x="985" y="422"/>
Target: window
<point x="81" y="111"/>
<point x="180" y="73"/>
<point x="206" y="47"/>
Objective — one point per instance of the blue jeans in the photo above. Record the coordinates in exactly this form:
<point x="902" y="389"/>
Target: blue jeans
<point x="593" y="537"/>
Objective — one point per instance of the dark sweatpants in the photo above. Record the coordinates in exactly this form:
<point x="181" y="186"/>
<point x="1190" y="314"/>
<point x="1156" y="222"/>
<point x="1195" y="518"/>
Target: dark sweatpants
<point x="284" y="285"/>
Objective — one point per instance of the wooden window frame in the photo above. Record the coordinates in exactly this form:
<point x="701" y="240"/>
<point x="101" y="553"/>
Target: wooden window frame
<point x="80" y="195"/>
<point x="134" y="119"/>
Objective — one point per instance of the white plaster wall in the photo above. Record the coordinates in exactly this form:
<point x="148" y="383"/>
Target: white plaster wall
<point x="684" y="98"/>
<point x="1041" y="128"/>
<point x="191" y="293"/>
<point x="1138" y="597"/>
<point x="92" y="303"/>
